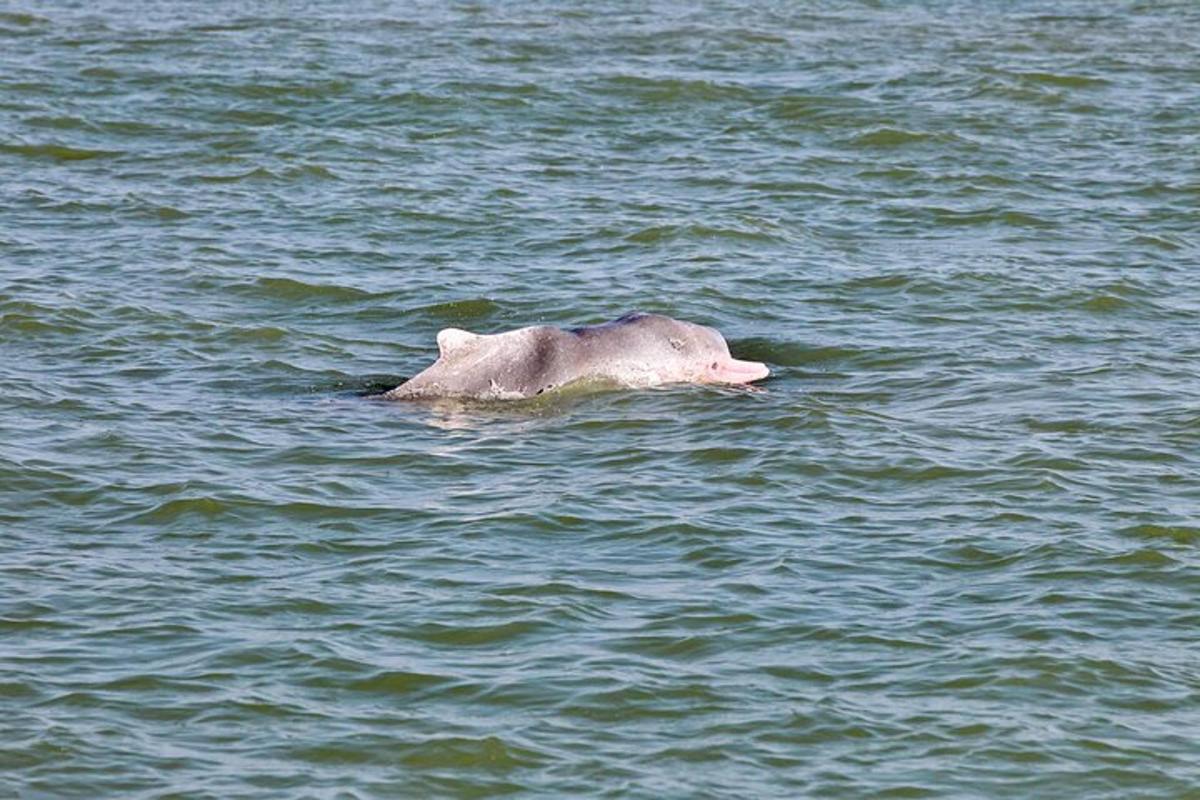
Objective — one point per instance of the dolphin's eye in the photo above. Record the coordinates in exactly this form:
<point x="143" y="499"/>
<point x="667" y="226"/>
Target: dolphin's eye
<point x="713" y="366"/>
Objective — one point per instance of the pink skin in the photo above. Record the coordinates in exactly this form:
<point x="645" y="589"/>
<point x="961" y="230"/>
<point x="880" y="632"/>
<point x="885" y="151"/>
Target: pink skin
<point x="733" y="370"/>
<point x="636" y="351"/>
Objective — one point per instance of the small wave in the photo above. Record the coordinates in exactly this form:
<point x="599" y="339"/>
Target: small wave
<point x="1048" y="462"/>
<point x="1143" y="557"/>
<point x="1105" y="304"/>
<point x="517" y="88"/>
<point x="475" y="635"/>
<point x="22" y="19"/>
<point x="60" y="123"/>
<point x="666" y="233"/>
<point x="666" y="701"/>
<point x="257" y="333"/>
<point x="306" y="171"/>
<point x="722" y="455"/>
<point x="258" y="173"/>
<point x="171" y="510"/>
<point x="822" y="107"/>
<point x="168" y="213"/>
<point x="293" y="290"/>
<point x="151" y="682"/>
<point x="891" y="280"/>
<point x="279" y="91"/>
<point x="1073" y="426"/>
<point x="675" y="90"/>
<point x="26" y="324"/>
<point x="915" y="473"/>
<point x="1161" y="241"/>
<point x="1180" y="534"/>
<point x="892" y="137"/>
<point x="418" y="99"/>
<point x="1060" y="79"/>
<point x="455" y="132"/>
<point x="972" y="556"/>
<point x="395" y="682"/>
<point x="58" y="152"/>
<point x="794" y="188"/>
<point x="458" y="310"/>
<point x="75" y="700"/>
<point x="10" y="690"/>
<point x="667" y="646"/>
<point x="563" y="591"/>
<point x="991" y="216"/>
<point x="252" y="118"/>
<point x="107" y="73"/>
<point x="13" y="626"/>
<point x="460" y="752"/>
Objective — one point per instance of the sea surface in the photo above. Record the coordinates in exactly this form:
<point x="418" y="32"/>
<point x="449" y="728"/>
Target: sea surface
<point x="950" y="548"/>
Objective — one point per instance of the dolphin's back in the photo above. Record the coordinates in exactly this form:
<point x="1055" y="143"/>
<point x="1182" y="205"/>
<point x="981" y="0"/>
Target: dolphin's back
<point x="503" y="366"/>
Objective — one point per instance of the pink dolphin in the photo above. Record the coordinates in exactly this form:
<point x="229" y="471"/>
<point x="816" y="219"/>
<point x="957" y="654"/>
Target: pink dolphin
<point x="637" y="350"/>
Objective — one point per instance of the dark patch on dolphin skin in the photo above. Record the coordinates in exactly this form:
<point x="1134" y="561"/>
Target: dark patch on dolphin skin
<point x="637" y="350"/>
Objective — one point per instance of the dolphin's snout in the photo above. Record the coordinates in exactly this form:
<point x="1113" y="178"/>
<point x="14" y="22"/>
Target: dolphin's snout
<point x="734" y="370"/>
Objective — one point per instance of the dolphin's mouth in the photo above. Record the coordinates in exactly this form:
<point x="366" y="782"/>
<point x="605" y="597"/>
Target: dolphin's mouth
<point x="734" y="370"/>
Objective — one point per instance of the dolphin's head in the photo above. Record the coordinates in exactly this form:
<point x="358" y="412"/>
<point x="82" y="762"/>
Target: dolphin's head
<point x="690" y="352"/>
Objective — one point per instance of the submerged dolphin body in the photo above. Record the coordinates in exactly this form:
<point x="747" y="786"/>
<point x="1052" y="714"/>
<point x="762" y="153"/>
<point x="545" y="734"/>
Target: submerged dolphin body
<point x="637" y="350"/>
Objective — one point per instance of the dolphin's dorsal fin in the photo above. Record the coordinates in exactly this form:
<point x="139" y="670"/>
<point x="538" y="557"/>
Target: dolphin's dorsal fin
<point x="451" y="339"/>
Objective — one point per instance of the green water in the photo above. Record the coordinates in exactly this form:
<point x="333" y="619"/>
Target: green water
<point x="950" y="549"/>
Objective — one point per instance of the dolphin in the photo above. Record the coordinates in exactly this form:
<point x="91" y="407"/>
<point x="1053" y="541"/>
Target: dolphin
<point x="636" y="351"/>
